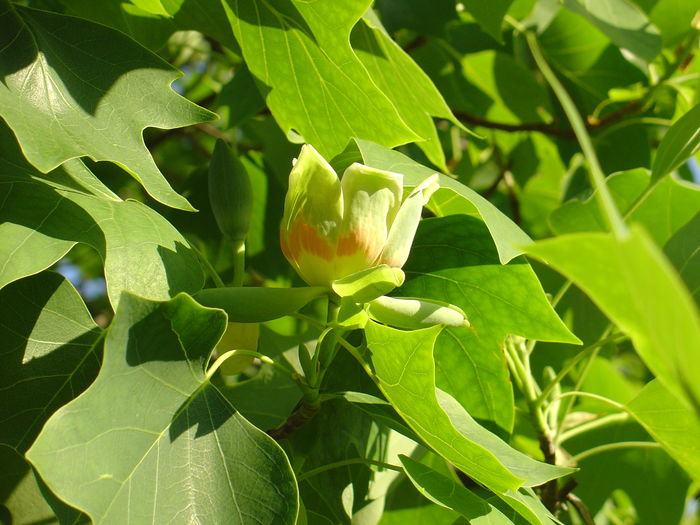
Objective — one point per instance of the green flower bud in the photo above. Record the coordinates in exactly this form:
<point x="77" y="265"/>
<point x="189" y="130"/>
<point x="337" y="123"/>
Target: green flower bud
<point x="413" y="314"/>
<point x="230" y="193"/>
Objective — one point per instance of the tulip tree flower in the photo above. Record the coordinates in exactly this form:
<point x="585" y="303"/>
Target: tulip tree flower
<point x="335" y="227"/>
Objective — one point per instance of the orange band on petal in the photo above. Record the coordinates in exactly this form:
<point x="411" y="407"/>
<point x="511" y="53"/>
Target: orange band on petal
<point x="304" y="237"/>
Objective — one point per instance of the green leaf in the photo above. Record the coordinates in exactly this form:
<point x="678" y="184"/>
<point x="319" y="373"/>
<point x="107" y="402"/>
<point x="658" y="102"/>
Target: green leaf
<point x="623" y="22"/>
<point x="637" y="288"/>
<point x="141" y="251"/>
<point x="662" y="207"/>
<point x="318" y="86"/>
<point x="408" y="87"/>
<point x="682" y="250"/>
<point x="659" y="501"/>
<point x="452" y="197"/>
<point x="681" y="141"/>
<point x="51" y="354"/>
<point x="453" y="259"/>
<point x="489" y="15"/>
<point x="87" y="101"/>
<point x="152" y="456"/>
<point x="586" y="58"/>
<point x="403" y="364"/>
<point x="254" y="305"/>
<point x="448" y="493"/>
<point x="670" y="423"/>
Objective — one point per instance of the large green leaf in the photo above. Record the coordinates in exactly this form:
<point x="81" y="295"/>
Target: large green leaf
<point x="623" y="22"/>
<point x="320" y="88"/>
<point x="680" y="142"/>
<point x="637" y="288"/>
<point x="393" y="71"/>
<point x="141" y="251"/>
<point x="153" y="440"/>
<point x="86" y="100"/>
<point x="444" y="491"/>
<point x="453" y="259"/>
<point x="403" y="364"/>
<point x="670" y="423"/>
<point x="51" y="353"/>
<point x="662" y="207"/>
<point x="452" y="197"/>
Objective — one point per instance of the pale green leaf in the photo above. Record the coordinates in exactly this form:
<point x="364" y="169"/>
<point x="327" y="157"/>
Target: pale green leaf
<point x="86" y="100"/>
<point x="175" y="452"/>
<point x="637" y="288"/>
<point x="670" y="423"/>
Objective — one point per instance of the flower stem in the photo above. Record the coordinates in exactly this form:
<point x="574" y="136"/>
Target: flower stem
<point x="613" y="446"/>
<point x="345" y="462"/>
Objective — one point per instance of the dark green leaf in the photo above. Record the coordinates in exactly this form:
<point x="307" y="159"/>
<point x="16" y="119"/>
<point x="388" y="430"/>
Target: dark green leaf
<point x="86" y="100"/>
<point x="489" y="15"/>
<point x="176" y="451"/>
<point x="682" y="250"/>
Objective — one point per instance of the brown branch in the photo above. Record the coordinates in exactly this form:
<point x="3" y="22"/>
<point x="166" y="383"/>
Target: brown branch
<point x="541" y="127"/>
<point x="302" y="415"/>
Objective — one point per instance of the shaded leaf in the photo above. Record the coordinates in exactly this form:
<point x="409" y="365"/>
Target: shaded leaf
<point x="683" y="251"/>
<point x="177" y="451"/>
<point x="87" y="101"/>
<point x="141" y="251"/>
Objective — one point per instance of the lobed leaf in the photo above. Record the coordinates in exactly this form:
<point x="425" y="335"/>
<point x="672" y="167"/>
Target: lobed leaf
<point x="170" y="447"/>
<point x="86" y="100"/>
